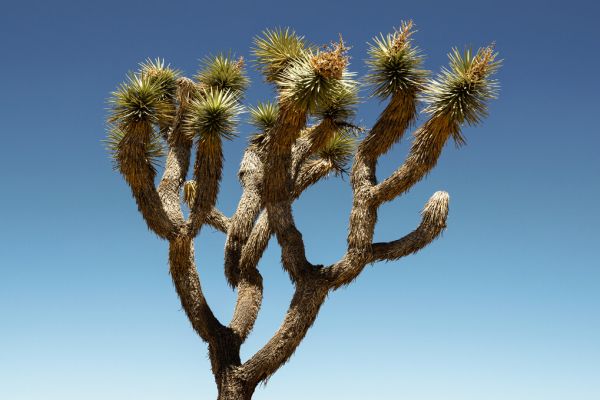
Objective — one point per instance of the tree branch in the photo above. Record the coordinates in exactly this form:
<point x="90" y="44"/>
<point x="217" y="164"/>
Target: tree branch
<point x="433" y="223"/>
<point x="315" y="138"/>
<point x="251" y="176"/>
<point x="277" y="187"/>
<point x="207" y="174"/>
<point x="423" y="156"/>
<point x="139" y="174"/>
<point x="307" y="300"/>
<point x="187" y="283"/>
<point x="389" y="128"/>
<point x="178" y="158"/>
<point x="250" y="287"/>
<point x="217" y="220"/>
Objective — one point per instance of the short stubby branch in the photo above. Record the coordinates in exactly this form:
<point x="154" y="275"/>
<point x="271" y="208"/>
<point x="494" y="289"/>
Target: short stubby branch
<point x="433" y="222"/>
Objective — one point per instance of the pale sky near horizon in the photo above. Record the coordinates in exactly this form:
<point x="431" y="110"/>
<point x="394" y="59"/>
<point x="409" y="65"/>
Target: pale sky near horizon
<point x="505" y="305"/>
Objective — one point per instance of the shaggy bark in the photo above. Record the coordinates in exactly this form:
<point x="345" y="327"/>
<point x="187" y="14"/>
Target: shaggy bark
<point x="272" y="176"/>
<point x="278" y="165"/>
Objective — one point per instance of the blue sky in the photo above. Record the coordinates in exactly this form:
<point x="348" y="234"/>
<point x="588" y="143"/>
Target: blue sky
<point x="503" y="306"/>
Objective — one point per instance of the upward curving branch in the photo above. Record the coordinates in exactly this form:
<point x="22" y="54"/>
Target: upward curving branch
<point x="157" y="108"/>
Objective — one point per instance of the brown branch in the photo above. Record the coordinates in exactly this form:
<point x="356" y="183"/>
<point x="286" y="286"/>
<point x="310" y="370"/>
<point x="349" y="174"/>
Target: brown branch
<point x="277" y="187"/>
<point x="391" y="125"/>
<point x="315" y="138"/>
<point x="217" y="220"/>
<point x="187" y="283"/>
<point x="433" y="222"/>
<point x="389" y="128"/>
<point x="139" y="174"/>
<point x="251" y="176"/>
<point x="310" y="294"/>
<point x="177" y="164"/>
<point x="178" y="158"/>
<point x="207" y="174"/>
<point x="250" y="287"/>
<point x="423" y="156"/>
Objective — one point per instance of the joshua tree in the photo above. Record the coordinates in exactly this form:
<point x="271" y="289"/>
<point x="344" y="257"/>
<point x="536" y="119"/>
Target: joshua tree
<point x="302" y="137"/>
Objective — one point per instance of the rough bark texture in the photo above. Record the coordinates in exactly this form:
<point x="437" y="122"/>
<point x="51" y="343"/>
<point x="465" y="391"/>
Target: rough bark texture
<point x="278" y="165"/>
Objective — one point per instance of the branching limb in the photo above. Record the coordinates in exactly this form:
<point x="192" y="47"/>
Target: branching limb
<point x="457" y="96"/>
<point x="251" y="176"/>
<point x="307" y="300"/>
<point x="250" y="288"/>
<point x="212" y="118"/>
<point x="424" y="153"/>
<point x="178" y="157"/>
<point x="312" y="139"/>
<point x="433" y="223"/>
<point x="395" y="71"/>
<point x="222" y="343"/>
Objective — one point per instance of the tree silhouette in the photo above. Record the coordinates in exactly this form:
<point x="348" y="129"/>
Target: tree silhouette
<point x="302" y="137"/>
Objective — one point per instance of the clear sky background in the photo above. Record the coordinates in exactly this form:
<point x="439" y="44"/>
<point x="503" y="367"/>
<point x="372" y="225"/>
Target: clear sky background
<point x="504" y="306"/>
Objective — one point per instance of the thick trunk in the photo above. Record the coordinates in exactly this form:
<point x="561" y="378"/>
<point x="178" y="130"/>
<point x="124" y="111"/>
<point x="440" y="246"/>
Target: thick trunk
<point x="232" y="388"/>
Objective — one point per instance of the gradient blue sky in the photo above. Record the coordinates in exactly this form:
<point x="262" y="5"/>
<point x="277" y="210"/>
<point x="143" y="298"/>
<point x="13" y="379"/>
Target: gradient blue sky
<point x="504" y="306"/>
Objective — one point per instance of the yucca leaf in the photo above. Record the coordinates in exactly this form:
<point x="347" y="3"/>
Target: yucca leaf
<point x="339" y="150"/>
<point x="139" y="99"/>
<point x="317" y="80"/>
<point x="161" y="74"/>
<point x="395" y="63"/>
<point x="264" y="115"/>
<point x="276" y="49"/>
<point x="461" y="92"/>
<point x="223" y="72"/>
<point x="213" y="115"/>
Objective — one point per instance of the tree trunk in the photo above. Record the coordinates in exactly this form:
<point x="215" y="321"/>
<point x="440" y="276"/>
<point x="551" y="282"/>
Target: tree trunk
<point x="231" y="387"/>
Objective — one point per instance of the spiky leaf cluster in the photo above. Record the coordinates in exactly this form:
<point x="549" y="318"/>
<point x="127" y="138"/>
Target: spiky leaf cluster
<point x="395" y="63"/>
<point x="264" y="115"/>
<point x="140" y="99"/>
<point x="461" y="91"/>
<point x="213" y="115"/>
<point x="276" y="49"/>
<point x="339" y="150"/>
<point x="152" y="146"/>
<point x="308" y="88"/>
<point x="223" y="73"/>
<point x="341" y="106"/>
<point x="162" y="75"/>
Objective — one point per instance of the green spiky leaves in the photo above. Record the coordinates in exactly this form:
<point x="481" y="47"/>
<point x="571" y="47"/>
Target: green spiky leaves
<point x="339" y="150"/>
<point x="395" y="63"/>
<point x="161" y="75"/>
<point x="264" y="115"/>
<point x="461" y="91"/>
<point x="312" y="80"/>
<point x="318" y="80"/>
<point x="213" y="115"/>
<point x="341" y="107"/>
<point x="276" y="49"/>
<point x="223" y="73"/>
<point x="141" y="105"/>
<point x="140" y="99"/>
